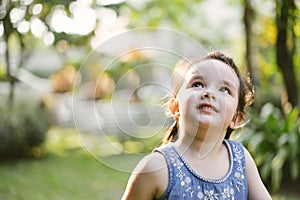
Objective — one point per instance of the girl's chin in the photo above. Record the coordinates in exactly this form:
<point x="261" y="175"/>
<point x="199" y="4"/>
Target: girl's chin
<point x="207" y="124"/>
<point x="204" y="122"/>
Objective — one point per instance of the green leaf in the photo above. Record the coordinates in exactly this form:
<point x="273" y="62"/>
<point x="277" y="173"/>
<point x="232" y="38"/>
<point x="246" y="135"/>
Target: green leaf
<point x="282" y="140"/>
<point x="294" y="169"/>
<point x="276" y="179"/>
<point x="291" y="119"/>
<point x="280" y="158"/>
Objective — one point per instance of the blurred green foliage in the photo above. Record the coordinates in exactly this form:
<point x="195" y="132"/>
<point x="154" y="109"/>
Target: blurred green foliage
<point x="273" y="138"/>
<point x="23" y="127"/>
<point x="273" y="135"/>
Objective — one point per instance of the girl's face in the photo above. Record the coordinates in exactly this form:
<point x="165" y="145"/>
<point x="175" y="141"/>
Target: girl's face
<point x="208" y="97"/>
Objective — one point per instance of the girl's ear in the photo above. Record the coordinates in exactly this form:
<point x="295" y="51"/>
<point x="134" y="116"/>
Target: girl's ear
<point x="237" y="120"/>
<point x="173" y="108"/>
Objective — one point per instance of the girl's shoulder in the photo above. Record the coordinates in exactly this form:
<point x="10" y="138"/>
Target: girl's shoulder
<point x="150" y="177"/>
<point x="151" y="163"/>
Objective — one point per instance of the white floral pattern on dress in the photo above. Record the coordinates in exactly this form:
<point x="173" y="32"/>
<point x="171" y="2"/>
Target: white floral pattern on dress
<point x="224" y="189"/>
<point x="210" y="195"/>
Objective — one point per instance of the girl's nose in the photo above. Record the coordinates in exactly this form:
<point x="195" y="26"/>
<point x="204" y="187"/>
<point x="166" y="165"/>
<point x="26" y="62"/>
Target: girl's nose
<point x="207" y="94"/>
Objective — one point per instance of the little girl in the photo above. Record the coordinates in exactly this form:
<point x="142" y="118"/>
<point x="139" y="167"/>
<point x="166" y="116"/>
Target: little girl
<point x="197" y="161"/>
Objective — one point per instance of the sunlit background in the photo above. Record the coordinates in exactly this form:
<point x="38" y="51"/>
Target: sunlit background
<point x="81" y="98"/>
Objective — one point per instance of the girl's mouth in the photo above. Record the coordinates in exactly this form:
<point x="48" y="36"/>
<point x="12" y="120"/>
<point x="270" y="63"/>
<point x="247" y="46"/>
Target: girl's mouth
<point x="206" y="107"/>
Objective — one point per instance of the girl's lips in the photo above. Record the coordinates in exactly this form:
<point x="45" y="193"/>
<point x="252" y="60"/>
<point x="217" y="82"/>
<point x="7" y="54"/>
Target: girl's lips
<point x="207" y="107"/>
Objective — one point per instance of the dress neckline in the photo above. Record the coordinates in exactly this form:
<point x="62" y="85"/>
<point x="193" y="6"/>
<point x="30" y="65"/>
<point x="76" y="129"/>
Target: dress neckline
<point x="224" y="178"/>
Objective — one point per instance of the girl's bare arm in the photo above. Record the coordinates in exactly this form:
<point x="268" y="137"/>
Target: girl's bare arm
<point x="149" y="179"/>
<point x="256" y="188"/>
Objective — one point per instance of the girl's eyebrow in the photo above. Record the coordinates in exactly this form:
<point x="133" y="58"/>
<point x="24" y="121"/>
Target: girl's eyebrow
<point x="192" y="78"/>
<point x="229" y="84"/>
<point x="196" y="77"/>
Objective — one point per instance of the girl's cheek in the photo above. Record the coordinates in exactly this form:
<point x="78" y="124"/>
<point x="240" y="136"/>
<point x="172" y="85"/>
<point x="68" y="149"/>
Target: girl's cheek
<point x="190" y="100"/>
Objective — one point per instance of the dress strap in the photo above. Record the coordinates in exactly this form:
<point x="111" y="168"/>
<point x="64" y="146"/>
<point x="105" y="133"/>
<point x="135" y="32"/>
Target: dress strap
<point x="169" y="156"/>
<point x="239" y="162"/>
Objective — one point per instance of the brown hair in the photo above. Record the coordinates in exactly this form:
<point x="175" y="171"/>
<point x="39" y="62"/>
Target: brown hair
<point x="246" y="91"/>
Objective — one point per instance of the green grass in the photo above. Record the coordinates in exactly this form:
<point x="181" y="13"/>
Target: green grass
<point x="68" y="172"/>
<point x="75" y="176"/>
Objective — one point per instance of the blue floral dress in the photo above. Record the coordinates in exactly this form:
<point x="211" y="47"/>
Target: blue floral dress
<point x="185" y="183"/>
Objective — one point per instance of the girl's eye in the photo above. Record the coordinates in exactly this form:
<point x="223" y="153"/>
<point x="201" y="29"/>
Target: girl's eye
<point x="225" y="90"/>
<point x="198" y="84"/>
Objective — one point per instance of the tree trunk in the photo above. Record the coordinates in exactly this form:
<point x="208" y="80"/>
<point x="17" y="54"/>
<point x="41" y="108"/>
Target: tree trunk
<point x="8" y="30"/>
<point x="285" y="53"/>
<point x="9" y="77"/>
<point x="247" y="18"/>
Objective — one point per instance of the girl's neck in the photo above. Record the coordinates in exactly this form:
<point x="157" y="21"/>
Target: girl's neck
<point x="204" y="143"/>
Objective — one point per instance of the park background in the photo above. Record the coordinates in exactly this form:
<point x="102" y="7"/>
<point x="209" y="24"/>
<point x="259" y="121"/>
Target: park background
<point x="49" y="150"/>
